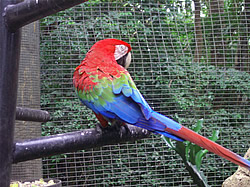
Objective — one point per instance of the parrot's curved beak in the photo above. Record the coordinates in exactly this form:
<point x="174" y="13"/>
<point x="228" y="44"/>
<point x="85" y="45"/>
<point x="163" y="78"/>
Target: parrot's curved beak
<point x="125" y="60"/>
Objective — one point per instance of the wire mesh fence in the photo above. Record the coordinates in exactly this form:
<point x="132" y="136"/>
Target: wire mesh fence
<point x="190" y="60"/>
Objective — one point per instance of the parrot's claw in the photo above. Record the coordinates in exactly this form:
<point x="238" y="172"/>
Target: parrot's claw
<point x="99" y="128"/>
<point x="116" y="125"/>
<point x="125" y="126"/>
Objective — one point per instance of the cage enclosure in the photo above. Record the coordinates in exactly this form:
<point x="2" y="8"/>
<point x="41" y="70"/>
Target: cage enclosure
<point x="190" y="60"/>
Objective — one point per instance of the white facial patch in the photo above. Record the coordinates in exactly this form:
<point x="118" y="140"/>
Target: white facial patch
<point x="120" y="51"/>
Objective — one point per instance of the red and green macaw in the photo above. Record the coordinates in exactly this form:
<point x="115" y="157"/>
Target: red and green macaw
<point x="104" y="85"/>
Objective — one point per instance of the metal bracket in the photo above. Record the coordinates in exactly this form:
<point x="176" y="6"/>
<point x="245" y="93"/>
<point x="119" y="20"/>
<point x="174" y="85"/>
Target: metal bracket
<point x="27" y="114"/>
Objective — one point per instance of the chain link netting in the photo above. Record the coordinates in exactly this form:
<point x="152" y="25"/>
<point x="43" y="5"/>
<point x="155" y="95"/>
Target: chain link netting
<point x="190" y="60"/>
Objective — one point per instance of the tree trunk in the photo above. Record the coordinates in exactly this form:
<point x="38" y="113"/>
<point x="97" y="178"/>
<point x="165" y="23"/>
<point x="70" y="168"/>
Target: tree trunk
<point x="198" y="31"/>
<point x="242" y="56"/>
<point x="216" y="11"/>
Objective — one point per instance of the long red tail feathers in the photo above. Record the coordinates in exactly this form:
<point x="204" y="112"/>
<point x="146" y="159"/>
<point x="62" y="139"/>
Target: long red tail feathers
<point x="211" y="146"/>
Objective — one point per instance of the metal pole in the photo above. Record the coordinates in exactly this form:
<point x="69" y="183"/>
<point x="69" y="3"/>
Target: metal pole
<point x="31" y="10"/>
<point x="9" y="60"/>
<point x="74" y="141"/>
<point x="28" y="114"/>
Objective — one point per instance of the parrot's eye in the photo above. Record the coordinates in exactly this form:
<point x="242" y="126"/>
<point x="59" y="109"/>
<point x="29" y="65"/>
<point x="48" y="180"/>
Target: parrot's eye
<point x="120" y="51"/>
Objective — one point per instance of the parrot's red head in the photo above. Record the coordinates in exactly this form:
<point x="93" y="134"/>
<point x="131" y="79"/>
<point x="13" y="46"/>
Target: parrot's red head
<point x="117" y="48"/>
<point x="106" y="57"/>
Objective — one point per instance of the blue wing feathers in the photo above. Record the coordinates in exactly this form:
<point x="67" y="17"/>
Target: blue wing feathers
<point x="108" y="114"/>
<point x="116" y="90"/>
<point x="126" y="109"/>
<point x="169" y="123"/>
<point x="90" y="105"/>
<point x="138" y="98"/>
<point x="170" y="136"/>
<point x="127" y="104"/>
<point x="127" y="91"/>
<point x="135" y="110"/>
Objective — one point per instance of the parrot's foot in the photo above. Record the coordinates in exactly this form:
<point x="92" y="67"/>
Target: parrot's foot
<point x="116" y="126"/>
<point x="100" y="129"/>
<point x="120" y="127"/>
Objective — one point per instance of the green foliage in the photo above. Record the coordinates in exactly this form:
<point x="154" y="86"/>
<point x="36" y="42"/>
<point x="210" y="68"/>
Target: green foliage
<point x="202" y="84"/>
<point x="70" y="112"/>
<point x="192" y="154"/>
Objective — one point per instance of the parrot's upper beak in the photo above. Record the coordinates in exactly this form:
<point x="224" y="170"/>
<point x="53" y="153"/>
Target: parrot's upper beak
<point x="125" y="60"/>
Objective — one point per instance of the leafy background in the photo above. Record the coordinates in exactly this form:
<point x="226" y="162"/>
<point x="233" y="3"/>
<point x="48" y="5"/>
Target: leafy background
<point x="190" y="61"/>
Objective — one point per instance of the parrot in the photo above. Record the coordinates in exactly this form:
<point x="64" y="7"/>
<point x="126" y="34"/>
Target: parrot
<point x="104" y="85"/>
